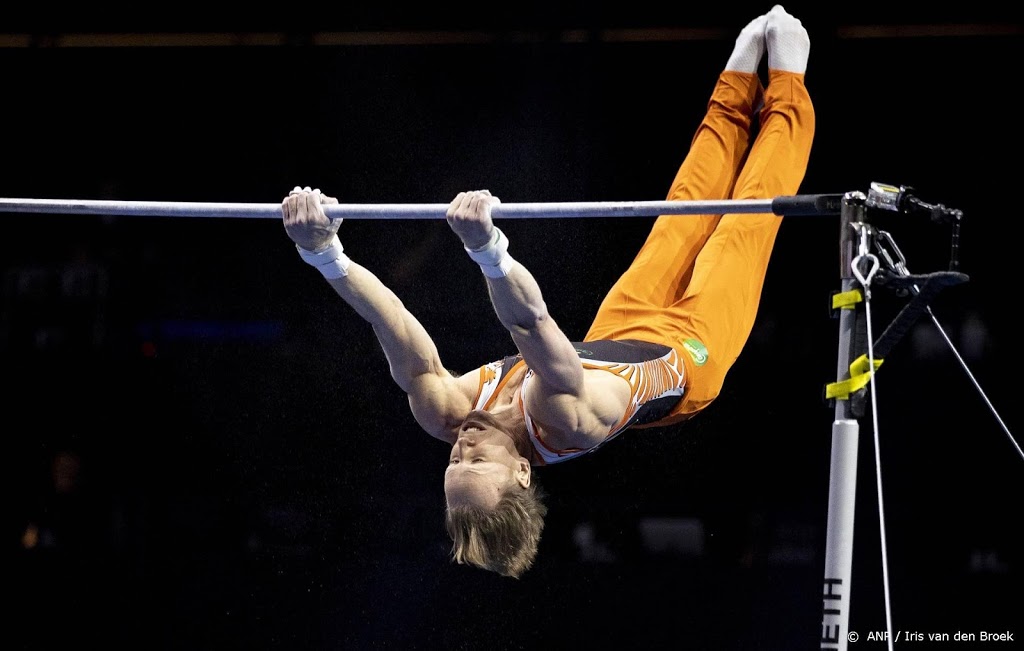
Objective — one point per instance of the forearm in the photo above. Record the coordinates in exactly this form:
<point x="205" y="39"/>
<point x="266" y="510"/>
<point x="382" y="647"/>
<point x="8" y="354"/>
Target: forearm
<point x="519" y="305"/>
<point x="514" y="292"/>
<point x="409" y="349"/>
<point x="517" y="300"/>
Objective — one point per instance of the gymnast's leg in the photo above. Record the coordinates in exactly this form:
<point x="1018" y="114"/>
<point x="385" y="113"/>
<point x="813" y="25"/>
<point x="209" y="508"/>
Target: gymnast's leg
<point x="721" y="301"/>
<point x="661" y="270"/>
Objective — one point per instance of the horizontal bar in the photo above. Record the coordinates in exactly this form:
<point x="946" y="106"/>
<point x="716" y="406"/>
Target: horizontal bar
<point x="407" y="210"/>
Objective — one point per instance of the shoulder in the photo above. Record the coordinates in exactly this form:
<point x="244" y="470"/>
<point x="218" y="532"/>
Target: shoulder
<point x="441" y="404"/>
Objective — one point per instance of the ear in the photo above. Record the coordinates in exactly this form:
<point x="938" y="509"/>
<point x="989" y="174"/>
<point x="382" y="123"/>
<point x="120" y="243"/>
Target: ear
<point x="523" y="473"/>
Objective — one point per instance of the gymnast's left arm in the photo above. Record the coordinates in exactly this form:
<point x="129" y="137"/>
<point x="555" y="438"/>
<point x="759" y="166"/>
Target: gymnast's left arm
<point x="520" y="307"/>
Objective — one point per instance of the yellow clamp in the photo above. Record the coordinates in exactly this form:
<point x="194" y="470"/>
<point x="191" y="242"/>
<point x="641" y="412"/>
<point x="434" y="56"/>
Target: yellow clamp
<point x="860" y="375"/>
<point x="846" y="300"/>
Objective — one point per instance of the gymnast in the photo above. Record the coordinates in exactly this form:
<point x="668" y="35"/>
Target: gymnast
<point x="663" y="339"/>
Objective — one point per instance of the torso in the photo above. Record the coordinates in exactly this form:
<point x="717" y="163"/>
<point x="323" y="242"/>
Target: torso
<point x="627" y="383"/>
<point x="544" y="410"/>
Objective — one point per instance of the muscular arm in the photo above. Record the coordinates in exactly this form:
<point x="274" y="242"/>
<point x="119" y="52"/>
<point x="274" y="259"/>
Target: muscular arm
<point x="561" y="397"/>
<point x="520" y="307"/>
<point x="412" y="355"/>
<point x="436" y="398"/>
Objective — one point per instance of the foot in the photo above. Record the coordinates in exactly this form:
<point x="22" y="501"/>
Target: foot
<point x="787" y="41"/>
<point x="750" y="46"/>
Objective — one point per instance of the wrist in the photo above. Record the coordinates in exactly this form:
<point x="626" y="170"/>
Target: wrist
<point x="330" y="260"/>
<point x="492" y="240"/>
<point x="493" y="257"/>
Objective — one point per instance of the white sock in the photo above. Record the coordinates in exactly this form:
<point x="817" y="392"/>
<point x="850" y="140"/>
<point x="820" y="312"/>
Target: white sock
<point x="749" y="48"/>
<point x="788" y="43"/>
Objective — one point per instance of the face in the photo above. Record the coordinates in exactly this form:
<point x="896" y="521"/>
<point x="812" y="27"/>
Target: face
<point x="483" y="463"/>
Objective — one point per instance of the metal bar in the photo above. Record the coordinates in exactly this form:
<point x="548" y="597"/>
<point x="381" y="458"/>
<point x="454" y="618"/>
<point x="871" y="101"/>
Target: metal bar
<point x="569" y="210"/>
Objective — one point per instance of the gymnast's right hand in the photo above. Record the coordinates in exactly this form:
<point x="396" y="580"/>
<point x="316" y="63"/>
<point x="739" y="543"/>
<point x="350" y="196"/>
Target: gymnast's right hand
<point x="305" y="220"/>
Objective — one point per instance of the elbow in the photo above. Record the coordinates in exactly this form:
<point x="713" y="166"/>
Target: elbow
<point x="530" y="320"/>
<point x="396" y="303"/>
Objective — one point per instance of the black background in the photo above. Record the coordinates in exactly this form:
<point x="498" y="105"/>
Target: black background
<point x="248" y="474"/>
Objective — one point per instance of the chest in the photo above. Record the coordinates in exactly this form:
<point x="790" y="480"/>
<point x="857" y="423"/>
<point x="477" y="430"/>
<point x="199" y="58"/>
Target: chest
<point x="568" y="422"/>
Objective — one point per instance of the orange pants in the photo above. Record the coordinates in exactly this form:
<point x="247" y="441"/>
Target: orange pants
<point x="696" y="283"/>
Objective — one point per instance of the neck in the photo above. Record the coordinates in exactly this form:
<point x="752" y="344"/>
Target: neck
<point x="510" y="419"/>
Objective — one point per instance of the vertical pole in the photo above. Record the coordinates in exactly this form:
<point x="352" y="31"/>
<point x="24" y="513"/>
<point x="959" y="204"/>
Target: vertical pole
<point x="842" y="491"/>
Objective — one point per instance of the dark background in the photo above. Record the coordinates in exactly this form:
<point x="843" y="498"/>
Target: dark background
<point x="205" y="447"/>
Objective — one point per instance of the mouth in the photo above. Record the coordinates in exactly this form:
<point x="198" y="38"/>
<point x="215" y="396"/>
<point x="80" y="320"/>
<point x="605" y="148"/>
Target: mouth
<point x="477" y="421"/>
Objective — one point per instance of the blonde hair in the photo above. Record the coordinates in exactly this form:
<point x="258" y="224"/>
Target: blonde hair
<point x="502" y="540"/>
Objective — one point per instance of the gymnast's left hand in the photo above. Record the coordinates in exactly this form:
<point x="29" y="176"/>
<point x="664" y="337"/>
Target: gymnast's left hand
<point x="469" y="215"/>
<point x="305" y="220"/>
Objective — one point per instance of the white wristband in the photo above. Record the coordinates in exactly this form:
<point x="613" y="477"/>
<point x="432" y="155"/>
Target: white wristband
<point x="493" y="257"/>
<point x="331" y="262"/>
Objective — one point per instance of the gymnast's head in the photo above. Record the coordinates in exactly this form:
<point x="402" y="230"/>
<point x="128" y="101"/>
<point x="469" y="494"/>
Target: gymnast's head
<point x="495" y="510"/>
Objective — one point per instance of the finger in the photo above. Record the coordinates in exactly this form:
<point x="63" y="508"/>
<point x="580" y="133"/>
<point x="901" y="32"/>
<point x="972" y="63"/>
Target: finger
<point x="466" y="206"/>
<point x="318" y="206"/>
<point x="453" y="207"/>
<point x="480" y="205"/>
<point x="313" y="209"/>
<point x="297" y="207"/>
<point x="484" y="200"/>
<point x="293" y="208"/>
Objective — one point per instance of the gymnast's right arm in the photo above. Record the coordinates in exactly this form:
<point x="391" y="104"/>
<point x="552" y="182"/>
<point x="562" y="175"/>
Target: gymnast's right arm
<point x="437" y="399"/>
